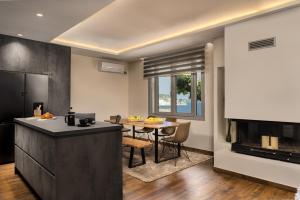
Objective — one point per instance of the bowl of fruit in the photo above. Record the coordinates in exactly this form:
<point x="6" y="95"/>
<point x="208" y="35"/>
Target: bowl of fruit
<point x="154" y="120"/>
<point x="47" y="115"/>
<point x="135" y="119"/>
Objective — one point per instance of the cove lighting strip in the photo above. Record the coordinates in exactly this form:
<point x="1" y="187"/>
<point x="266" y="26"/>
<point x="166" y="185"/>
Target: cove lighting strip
<point x="211" y="24"/>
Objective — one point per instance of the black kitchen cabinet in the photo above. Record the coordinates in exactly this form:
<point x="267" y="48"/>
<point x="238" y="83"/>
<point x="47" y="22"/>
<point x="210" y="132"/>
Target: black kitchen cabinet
<point x="19" y="91"/>
<point x="12" y="96"/>
<point x="7" y="135"/>
<point x="40" y="62"/>
<point x="36" y="91"/>
<point x="22" y="55"/>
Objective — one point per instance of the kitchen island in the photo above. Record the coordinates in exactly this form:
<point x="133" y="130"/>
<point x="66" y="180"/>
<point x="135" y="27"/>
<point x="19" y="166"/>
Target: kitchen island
<point x="61" y="162"/>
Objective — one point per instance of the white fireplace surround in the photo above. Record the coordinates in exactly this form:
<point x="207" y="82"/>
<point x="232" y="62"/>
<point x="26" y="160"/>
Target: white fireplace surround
<point x="259" y="85"/>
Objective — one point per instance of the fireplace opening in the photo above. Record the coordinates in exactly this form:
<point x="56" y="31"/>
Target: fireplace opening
<point x="274" y="140"/>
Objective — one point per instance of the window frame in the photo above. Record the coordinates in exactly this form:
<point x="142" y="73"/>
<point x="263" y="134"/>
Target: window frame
<point x="153" y="82"/>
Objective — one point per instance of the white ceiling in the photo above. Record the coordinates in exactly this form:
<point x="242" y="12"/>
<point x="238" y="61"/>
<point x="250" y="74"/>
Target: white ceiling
<point x="128" y="29"/>
<point x="19" y="16"/>
<point x="132" y="28"/>
<point x="184" y="41"/>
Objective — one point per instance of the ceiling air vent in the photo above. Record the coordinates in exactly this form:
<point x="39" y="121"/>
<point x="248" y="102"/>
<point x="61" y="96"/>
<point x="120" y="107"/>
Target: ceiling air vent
<point x="261" y="44"/>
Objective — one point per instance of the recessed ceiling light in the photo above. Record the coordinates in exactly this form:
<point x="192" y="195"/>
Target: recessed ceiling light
<point x="39" y="14"/>
<point x="20" y="35"/>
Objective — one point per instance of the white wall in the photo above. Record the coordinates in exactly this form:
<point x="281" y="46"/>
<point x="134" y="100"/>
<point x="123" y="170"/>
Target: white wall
<point x="100" y="92"/>
<point x="219" y="73"/>
<point x="138" y="90"/>
<point x="201" y="134"/>
<point x="264" y="84"/>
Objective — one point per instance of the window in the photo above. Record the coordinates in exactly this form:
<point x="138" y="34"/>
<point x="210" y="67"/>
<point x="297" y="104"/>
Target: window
<point x="164" y="94"/>
<point x="179" y="95"/>
<point x="199" y="95"/>
<point x="176" y="83"/>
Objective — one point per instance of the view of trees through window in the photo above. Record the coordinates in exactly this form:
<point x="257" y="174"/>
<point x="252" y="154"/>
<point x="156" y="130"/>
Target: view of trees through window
<point x="184" y="93"/>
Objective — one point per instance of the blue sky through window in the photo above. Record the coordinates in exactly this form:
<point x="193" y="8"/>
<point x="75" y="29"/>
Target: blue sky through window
<point x="164" y="85"/>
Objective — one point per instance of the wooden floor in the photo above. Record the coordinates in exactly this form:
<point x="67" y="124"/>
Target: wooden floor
<point x="196" y="183"/>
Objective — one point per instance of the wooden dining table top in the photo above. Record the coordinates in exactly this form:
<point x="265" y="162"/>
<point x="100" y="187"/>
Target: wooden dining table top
<point x="165" y="124"/>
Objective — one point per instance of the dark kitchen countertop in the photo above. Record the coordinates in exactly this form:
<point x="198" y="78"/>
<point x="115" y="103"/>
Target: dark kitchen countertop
<point x="58" y="128"/>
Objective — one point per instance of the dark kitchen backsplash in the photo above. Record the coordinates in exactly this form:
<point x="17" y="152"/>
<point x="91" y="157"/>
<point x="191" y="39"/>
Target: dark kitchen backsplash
<point x="17" y="54"/>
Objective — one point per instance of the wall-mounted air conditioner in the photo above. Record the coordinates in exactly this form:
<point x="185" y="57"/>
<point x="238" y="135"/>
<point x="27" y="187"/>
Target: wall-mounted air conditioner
<point x="112" y="67"/>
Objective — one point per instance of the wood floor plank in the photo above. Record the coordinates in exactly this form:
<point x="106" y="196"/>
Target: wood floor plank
<point x="200" y="182"/>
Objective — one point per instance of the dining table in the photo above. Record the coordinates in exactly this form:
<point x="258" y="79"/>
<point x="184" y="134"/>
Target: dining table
<point x="155" y="126"/>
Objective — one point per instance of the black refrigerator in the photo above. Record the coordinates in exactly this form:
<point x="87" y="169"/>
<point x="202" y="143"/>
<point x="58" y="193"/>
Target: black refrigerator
<point x="19" y="91"/>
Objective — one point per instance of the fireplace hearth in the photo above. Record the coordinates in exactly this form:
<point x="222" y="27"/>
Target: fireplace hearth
<point x="273" y="140"/>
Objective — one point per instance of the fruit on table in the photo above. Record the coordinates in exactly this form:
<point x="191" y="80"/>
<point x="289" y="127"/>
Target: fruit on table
<point x="154" y="120"/>
<point x="47" y="115"/>
<point x="135" y="118"/>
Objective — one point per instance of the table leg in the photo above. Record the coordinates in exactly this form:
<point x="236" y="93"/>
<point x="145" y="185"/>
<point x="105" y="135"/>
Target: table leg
<point x="156" y="146"/>
<point x="133" y="131"/>
<point x="178" y="150"/>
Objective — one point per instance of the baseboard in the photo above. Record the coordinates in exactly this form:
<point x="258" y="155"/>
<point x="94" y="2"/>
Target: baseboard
<point x="210" y="153"/>
<point x="281" y="186"/>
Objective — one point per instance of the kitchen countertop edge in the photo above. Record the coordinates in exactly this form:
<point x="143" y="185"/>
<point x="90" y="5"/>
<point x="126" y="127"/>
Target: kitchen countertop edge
<point x="69" y="133"/>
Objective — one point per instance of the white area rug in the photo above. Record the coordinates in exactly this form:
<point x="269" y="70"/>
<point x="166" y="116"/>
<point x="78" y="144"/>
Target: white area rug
<point x="152" y="171"/>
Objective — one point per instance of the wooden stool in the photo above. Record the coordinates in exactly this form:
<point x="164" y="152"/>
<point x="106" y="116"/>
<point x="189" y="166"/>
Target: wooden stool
<point x="139" y="144"/>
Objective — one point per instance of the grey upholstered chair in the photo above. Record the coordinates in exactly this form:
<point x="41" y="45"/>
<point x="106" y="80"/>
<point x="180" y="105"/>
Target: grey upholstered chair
<point x="115" y="119"/>
<point x="181" y="135"/>
<point x="168" y="130"/>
